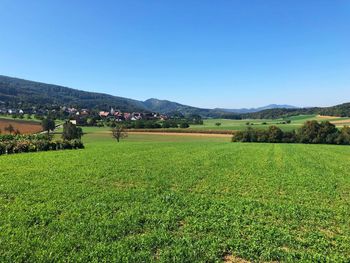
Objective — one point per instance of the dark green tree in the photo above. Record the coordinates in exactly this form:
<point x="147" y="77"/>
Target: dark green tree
<point x="48" y="125"/>
<point x="344" y="136"/>
<point x="184" y="125"/>
<point x="275" y="134"/>
<point x="71" y="131"/>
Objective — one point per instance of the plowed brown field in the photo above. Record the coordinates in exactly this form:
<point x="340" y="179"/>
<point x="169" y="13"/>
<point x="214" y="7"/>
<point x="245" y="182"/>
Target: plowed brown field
<point x="25" y="127"/>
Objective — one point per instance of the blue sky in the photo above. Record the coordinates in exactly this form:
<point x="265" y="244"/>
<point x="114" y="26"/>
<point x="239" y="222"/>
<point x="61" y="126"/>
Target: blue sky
<point x="204" y="53"/>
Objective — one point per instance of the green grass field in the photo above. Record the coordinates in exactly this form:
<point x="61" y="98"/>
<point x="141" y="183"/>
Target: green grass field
<point x="154" y="198"/>
<point x="296" y="122"/>
<point x="9" y="117"/>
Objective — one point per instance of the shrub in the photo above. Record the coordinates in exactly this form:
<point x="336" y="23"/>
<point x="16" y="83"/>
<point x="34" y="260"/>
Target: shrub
<point x="2" y="148"/>
<point x="165" y="124"/>
<point x="31" y="143"/>
<point x="275" y="134"/>
<point x="184" y="125"/>
<point x="77" y="144"/>
<point x="71" y="131"/>
<point x="21" y="147"/>
<point x="42" y="145"/>
<point x="314" y="132"/>
<point x="344" y="136"/>
<point x="66" y="145"/>
<point x="310" y="132"/>
<point x="289" y="137"/>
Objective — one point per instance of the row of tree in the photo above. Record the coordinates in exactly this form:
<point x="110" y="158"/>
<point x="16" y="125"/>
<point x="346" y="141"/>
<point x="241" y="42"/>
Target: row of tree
<point x="150" y="124"/>
<point x="311" y="132"/>
<point x="70" y="130"/>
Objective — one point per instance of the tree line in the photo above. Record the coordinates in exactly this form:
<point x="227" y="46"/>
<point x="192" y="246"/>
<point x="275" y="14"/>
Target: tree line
<point x="312" y="132"/>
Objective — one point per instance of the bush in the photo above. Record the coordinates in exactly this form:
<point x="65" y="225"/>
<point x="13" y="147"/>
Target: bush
<point x="314" y="132"/>
<point x="310" y="132"/>
<point x="42" y="145"/>
<point x="77" y="144"/>
<point x="184" y="125"/>
<point x="10" y="144"/>
<point x="2" y="148"/>
<point x="275" y="134"/>
<point x="71" y="131"/>
<point x="344" y="136"/>
<point x="21" y="147"/>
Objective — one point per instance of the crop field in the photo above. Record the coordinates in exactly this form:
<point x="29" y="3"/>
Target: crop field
<point x="154" y="198"/>
<point x="296" y="122"/>
<point x="24" y="126"/>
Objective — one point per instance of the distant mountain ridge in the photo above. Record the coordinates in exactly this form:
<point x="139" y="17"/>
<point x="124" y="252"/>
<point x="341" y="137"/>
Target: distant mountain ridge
<point x="250" y="110"/>
<point x="20" y="93"/>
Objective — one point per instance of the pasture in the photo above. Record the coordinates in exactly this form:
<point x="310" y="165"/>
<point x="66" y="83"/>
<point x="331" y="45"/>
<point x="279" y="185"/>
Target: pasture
<point x="24" y="126"/>
<point x="154" y="198"/>
<point x="296" y="122"/>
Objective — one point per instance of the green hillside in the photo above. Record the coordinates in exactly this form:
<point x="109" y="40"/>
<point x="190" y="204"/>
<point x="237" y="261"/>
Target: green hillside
<point x="21" y="93"/>
<point x="15" y="92"/>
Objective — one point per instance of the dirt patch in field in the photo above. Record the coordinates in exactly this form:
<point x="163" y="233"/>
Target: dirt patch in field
<point x="228" y="258"/>
<point x="340" y="122"/>
<point x="184" y="134"/>
<point x="326" y="117"/>
<point x="25" y="127"/>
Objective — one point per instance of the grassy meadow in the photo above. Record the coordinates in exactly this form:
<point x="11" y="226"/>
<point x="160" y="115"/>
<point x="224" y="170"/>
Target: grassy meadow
<point x="296" y="122"/>
<point x="168" y="198"/>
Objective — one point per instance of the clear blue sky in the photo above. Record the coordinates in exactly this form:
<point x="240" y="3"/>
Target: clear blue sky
<point x="203" y="53"/>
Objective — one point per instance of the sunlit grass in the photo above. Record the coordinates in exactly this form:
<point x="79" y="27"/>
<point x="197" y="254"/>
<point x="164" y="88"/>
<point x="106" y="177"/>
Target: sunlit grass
<point x="176" y="199"/>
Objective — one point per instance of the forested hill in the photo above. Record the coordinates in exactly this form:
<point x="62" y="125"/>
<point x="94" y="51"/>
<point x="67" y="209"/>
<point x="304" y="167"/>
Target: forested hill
<point x="19" y="93"/>
<point x="14" y="92"/>
<point x="342" y="110"/>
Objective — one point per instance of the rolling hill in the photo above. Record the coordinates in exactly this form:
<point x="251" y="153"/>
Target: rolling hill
<point x="15" y="92"/>
<point x="250" y="110"/>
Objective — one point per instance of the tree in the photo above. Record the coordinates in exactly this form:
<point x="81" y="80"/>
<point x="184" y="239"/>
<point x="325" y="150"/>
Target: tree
<point x="184" y="125"/>
<point x="119" y="132"/>
<point x="195" y="119"/>
<point x="275" y="134"/>
<point x="71" y="131"/>
<point x="344" y="136"/>
<point x="328" y="133"/>
<point x="314" y="132"/>
<point x="48" y="125"/>
<point x="308" y="133"/>
<point x="10" y="129"/>
<point x="139" y="124"/>
<point x="218" y="124"/>
<point x="165" y="124"/>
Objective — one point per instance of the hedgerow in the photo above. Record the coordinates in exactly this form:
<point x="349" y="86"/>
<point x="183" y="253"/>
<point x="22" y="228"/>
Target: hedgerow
<point x="10" y="144"/>
<point x="182" y="131"/>
<point x="312" y="132"/>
